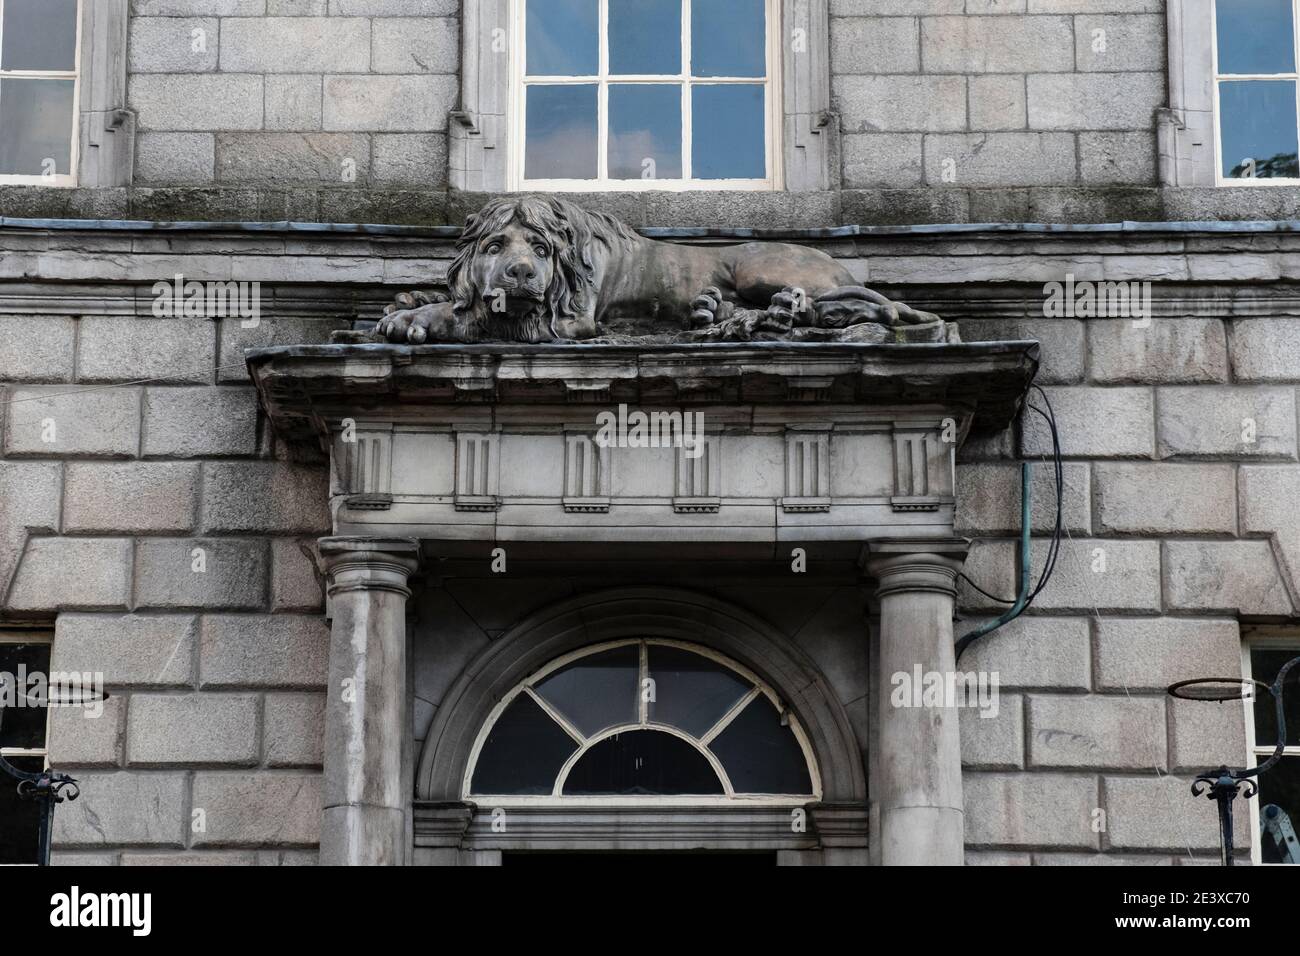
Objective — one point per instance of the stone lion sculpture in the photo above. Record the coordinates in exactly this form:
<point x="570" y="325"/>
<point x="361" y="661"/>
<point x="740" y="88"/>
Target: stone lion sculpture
<point x="538" y="268"/>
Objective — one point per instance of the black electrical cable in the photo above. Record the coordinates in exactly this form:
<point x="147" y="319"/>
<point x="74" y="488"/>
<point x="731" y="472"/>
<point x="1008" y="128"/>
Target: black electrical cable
<point x="1054" y="548"/>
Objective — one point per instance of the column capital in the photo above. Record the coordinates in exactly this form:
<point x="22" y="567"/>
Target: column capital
<point x="914" y="564"/>
<point x="362" y="563"/>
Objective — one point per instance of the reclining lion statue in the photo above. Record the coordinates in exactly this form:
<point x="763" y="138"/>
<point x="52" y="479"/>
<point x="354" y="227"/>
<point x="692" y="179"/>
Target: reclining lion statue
<point x="538" y="268"/>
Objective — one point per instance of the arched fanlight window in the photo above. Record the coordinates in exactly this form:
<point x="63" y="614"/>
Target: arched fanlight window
<point x="642" y="720"/>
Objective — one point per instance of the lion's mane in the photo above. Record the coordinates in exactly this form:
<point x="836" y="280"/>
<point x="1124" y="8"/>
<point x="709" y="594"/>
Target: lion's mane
<point x="573" y="232"/>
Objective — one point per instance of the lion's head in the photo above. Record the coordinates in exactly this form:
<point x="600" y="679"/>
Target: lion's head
<point x="525" y="265"/>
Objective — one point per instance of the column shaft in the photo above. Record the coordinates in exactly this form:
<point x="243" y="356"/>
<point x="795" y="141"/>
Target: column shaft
<point x="366" y="708"/>
<point x="917" y="773"/>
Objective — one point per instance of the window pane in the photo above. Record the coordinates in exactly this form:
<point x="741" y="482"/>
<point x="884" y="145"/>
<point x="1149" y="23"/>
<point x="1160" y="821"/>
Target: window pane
<point x="1255" y="36"/>
<point x="645" y="36"/>
<point x="1279" y="812"/>
<point x="1265" y="663"/>
<point x="727" y="131"/>
<point x="692" y="692"/>
<point x="645" y="132"/>
<point x="597" y="691"/>
<point x="561" y="138"/>
<point x="1257" y="119"/>
<point x="20" y="819"/>
<point x="22" y="726"/>
<point x="562" y="38"/>
<point x="642" y="762"/>
<point x="524" y="752"/>
<point x="35" y="126"/>
<point x="40" y="35"/>
<point x="728" y="38"/>
<point x="761" y="756"/>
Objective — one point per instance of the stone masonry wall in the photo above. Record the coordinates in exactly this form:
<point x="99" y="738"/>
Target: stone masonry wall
<point x="158" y="458"/>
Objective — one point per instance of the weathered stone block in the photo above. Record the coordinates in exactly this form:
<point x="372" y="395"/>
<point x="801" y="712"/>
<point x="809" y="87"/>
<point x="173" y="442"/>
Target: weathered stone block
<point x="192" y="729"/>
<point x="172" y="45"/>
<point x="1073" y="101"/>
<point x="882" y="159"/>
<point x="293" y="102"/>
<point x="189" y="8"/>
<point x="389" y="104"/>
<point x="1238" y="576"/>
<point x="1227" y="422"/>
<point x="1096" y="574"/>
<point x="295" y="45"/>
<point x="87" y="736"/>
<point x="65" y="573"/>
<point x="1127" y="157"/>
<point x="1113" y="44"/>
<point x="410" y="159"/>
<point x="295" y="585"/>
<point x="1168" y="351"/>
<point x="138" y="808"/>
<point x="869" y="104"/>
<point x="988" y="499"/>
<point x="1004" y="44"/>
<point x="1094" y="423"/>
<point x="36" y="349"/>
<point x="31" y="495"/>
<point x="200" y="102"/>
<point x="294" y="732"/>
<point x="414" y="45"/>
<point x="997" y="102"/>
<point x="893" y="8"/>
<point x="211" y="858"/>
<point x="331" y="158"/>
<point x="1020" y="809"/>
<point x="253" y="650"/>
<point x="874" y="46"/>
<point x="994" y="743"/>
<point x="1203" y="735"/>
<point x="175" y="158"/>
<point x="1268" y="497"/>
<point x="264" y="497"/>
<point x="1155" y="812"/>
<point x="127" y="349"/>
<point x="991" y="565"/>
<point x="1000" y="159"/>
<point x="394" y="8"/>
<point x="235" y="339"/>
<point x="1126" y="733"/>
<point x="55" y="422"/>
<point x="201" y="573"/>
<point x="1032" y="652"/>
<point x="142" y="649"/>
<point x="196" y="422"/>
<point x="1062" y="341"/>
<point x="1152" y="653"/>
<point x="1266" y="350"/>
<point x="1152" y="498"/>
<point x="269" y="808"/>
<point x="138" y="497"/>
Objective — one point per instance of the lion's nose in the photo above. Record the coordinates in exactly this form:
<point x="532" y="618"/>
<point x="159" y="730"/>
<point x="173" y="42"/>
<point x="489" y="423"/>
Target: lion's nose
<point x="521" y="270"/>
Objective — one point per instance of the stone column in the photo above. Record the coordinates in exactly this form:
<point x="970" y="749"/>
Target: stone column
<point x="916" y="780"/>
<point x="365" y="801"/>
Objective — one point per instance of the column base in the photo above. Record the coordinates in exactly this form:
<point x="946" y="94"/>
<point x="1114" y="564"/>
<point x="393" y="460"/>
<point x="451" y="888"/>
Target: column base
<point x="922" y="836"/>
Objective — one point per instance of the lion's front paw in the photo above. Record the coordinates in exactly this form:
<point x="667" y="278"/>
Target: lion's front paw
<point x="407" y="325"/>
<point x="788" y="308"/>
<point x="405" y="301"/>
<point x="710" y="308"/>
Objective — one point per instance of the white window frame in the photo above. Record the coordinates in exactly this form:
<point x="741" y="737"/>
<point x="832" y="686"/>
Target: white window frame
<point x="520" y="82"/>
<point x="585" y="743"/>
<point x="69" y="178"/>
<point x="28" y="637"/>
<point x="1284" y="640"/>
<point x="1219" y="78"/>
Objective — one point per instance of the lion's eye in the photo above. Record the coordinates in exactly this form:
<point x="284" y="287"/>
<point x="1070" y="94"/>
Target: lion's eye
<point x="493" y="248"/>
<point x="540" y="249"/>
